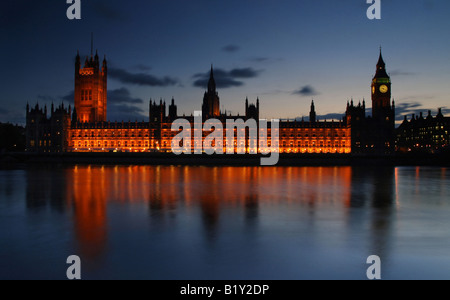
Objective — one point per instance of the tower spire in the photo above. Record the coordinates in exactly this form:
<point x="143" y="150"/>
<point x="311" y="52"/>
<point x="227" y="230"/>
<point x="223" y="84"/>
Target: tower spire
<point x="381" y="68"/>
<point x="312" y="113"/>
<point x="211" y="82"/>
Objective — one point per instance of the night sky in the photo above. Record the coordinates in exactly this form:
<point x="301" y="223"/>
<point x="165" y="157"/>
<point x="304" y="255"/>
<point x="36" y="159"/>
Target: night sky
<point x="284" y="52"/>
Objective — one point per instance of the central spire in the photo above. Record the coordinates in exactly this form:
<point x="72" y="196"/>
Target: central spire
<point x="211" y="82"/>
<point x="211" y="103"/>
<point x="312" y="113"/>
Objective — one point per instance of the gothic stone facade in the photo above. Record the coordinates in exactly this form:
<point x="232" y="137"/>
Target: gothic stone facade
<point x="85" y="129"/>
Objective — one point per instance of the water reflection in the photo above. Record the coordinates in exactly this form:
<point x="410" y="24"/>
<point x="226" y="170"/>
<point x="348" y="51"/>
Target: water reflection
<point x="376" y="190"/>
<point x="87" y="190"/>
<point x="225" y="219"/>
<point x="45" y="188"/>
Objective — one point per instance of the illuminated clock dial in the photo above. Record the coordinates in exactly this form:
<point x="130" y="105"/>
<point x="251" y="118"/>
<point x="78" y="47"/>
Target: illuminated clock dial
<point x="373" y="90"/>
<point x="383" y="88"/>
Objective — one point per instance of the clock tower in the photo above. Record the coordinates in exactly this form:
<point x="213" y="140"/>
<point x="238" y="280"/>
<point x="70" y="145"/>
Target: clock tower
<point x="381" y="91"/>
<point x="383" y="113"/>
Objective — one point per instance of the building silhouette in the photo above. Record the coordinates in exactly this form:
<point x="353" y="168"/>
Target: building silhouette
<point x="376" y="133"/>
<point x="419" y="134"/>
<point x="86" y="129"/>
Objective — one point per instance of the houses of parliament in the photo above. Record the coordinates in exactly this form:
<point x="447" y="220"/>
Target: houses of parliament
<point x="85" y="127"/>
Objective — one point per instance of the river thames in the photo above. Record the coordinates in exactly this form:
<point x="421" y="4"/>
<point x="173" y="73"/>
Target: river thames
<point x="231" y="223"/>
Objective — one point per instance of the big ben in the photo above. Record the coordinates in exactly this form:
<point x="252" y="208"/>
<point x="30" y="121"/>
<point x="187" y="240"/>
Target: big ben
<point x="383" y="113"/>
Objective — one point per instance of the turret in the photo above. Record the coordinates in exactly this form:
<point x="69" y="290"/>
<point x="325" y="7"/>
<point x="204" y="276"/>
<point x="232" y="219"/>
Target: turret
<point x="312" y="113"/>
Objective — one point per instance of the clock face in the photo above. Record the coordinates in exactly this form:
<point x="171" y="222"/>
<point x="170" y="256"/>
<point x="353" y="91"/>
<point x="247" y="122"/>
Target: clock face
<point x="373" y="90"/>
<point x="383" y="88"/>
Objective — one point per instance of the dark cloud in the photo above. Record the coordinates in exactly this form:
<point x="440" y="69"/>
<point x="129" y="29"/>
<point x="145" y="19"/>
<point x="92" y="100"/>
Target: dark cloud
<point x="231" y="48"/>
<point x="142" y="67"/>
<point x="124" y="112"/>
<point x="243" y="73"/>
<point x="401" y="73"/>
<point x="56" y="99"/>
<point x="4" y="111"/>
<point x="122" y="95"/>
<point x="328" y="117"/>
<point x="410" y="108"/>
<point x="140" y="78"/>
<point x="406" y="108"/>
<point x="331" y="116"/>
<point x="226" y="79"/>
<point x="46" y="98"/>
<point x="123" y="107"/>
<point x="306" y="91"/>
<point x="106" y="10"/>
<point x="70" y="97"/>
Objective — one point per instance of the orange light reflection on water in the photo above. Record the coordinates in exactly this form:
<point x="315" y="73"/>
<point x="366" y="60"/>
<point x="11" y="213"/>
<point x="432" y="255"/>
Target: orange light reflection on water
<point x="91" y="188"/>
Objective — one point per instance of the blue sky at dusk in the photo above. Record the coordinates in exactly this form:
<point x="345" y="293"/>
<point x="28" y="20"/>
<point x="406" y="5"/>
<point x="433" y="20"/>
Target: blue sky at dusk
<point x="284" y="52"/>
